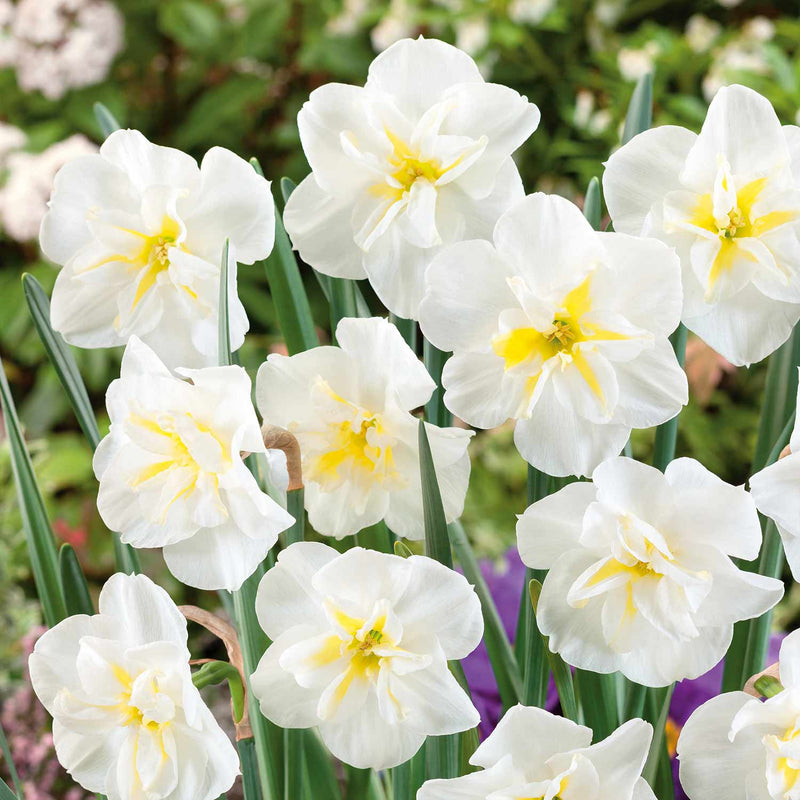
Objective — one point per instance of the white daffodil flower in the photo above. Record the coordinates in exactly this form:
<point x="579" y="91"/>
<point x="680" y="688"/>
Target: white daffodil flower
<point x="349" y="408"/>
<point x="171" y="472"/>
<point x="560" y="328"/>
<point x="641" y="578"/>
<point x="419" y="156"/>
<point x="360" y="645"/>
<point x="535" y="755"/>
<point x="139" y="230"/>
<point x="776" y="491"/>
<point x="127" y="720"/>
<point x="739" y="747"/>
<point x="728" y="200"/>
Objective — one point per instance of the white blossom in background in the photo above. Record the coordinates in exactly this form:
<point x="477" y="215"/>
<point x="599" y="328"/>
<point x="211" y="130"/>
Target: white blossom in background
<point x="728" y="201"/>
<point x="418" y="157"/>
<point x="701" y="32"/>
<point x="535" y="755"/>
<point x="348" y="21"/>
<point x="350" y="409"/>
<point x="472" y="34"/>
<point x="739" y="55"/>
<point x="27" y="188"/>
<point x="635" y="63"/>
<point x="171" y="472"/>
<point x="640" y="577"/>
<point x="127" y="720"/>
<point x="64" y="44"/>
<point x="560" y="328"/>
<point x="11" y="140"/>
<point x="398" y="23"/>
<point x="776" y="492"/>
<point x="139" y="230"/>
<point x="760" y="29"/>
<point x="360" y="645"/>
<point x="737" y="747"/>
<point x="530" y="12"/>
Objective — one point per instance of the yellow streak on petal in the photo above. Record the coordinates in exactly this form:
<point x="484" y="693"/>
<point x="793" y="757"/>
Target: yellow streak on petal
<point x="587" y="373"/>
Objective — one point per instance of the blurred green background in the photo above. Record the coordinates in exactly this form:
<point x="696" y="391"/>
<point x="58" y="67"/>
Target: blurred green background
<point x="198" y="73"/>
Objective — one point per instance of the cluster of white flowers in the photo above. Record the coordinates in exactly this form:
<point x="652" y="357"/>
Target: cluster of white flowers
<point x="550" y="323"/>
<point x="29" y="180"/>
<point x="57" y="45"/>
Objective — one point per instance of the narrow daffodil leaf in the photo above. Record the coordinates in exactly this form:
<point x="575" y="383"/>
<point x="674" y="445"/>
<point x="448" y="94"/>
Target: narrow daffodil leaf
<point x="322" y="781"/>
<point x="658" y="769"/>
<point x="562" y="674"/>
<point x="779" y="402"/>
<point x="63" y="361"/>
<point x="287" y="187"/>
<point x="224" y="341"/>
<point x="667" y="433"/>
<point x="6" y="793"/>
<point x="435" y="410"/>
<point x="288" y="292"/>
<point x="437" y="542"/>
<point x="10" y="766"/>
<point x="61" y="358"/>
<point x="598" y="699"/>
<point x="593" y="204"/>
<point x="501" y="654"/>
<point x="41" y="544"/>
<point x="293" y="763"/>
<point x="73" y="583"/>
<point x="640" y="110"/>
<point x="105" y="119"/>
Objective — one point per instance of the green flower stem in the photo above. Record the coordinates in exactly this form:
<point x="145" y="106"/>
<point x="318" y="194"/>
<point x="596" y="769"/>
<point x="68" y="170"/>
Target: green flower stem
<point x="657" y="769"/>
<point x="598" y="701"/>
<point x="407" y="328"/>
<point x="529" y="646"/>
<point x="667" y="432"/>
<point x="780" y="395"/>
<point x="251" y="787"/>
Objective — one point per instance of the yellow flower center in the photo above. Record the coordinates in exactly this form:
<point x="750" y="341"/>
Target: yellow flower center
<point x="347" y="452"/>
<point x="173" y="453"/>
<point x="739" y="223"/>
<point x="531" y="347"/>
<point x="151" y="709"/>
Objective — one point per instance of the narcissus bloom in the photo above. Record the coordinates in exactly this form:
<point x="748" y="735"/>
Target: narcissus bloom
<point x="776" y="491"/>
<point x="127" y="720"/>
<point x="139" y="230"/>
<point x="641" y="578"/>
<point x="349" y="407"/>
<point x="419" y="156"/>
<point x="171" y="473"/>
<point x="737" y="747"/>
<point x="360" y="644"/>
<point x="728" y="200"/>
<point x="535" y="754"/>
<point x="560" y="328"/>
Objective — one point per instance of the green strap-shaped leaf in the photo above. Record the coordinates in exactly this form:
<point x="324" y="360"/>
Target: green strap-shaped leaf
<point x="598" y="701"/>
<point x="640" y="110"/>
<point x="561" y="672"/>
<point x="501" y="654"/>
<point x="61" y="358"/>
<point x="12" y="769"/>
<point x="593" y="204"/>
<point x="63" y="361"/>
<point x="105" y="119"/>
<point x="667" y="433"/>
<point x="437" y="541"/>
<point x="435" y="410"/>
<point x="286" y="287"/>
<point x="658" y="769"/>
<point x="224" y="329"/>
<point x="251" y="788"/>
<point x="442" y="752"/>
<point x="73" y="582"/>
<point x="6" y="793"/>
<point x="41" y="544"/>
